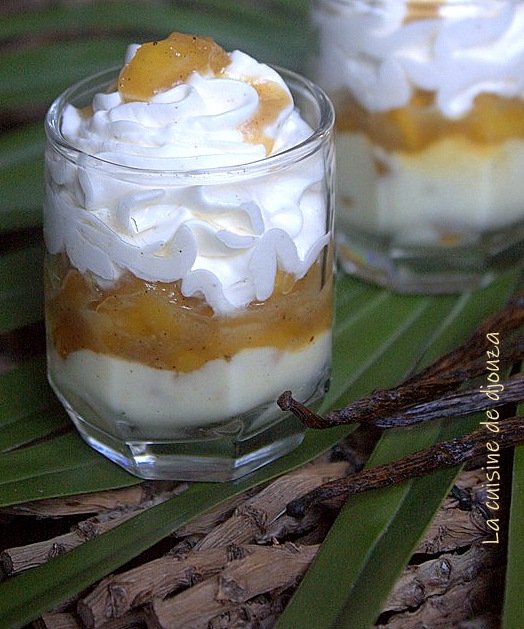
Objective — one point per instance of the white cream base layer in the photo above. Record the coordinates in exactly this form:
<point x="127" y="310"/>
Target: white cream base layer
<point x="452" y="188"/>
<point x="142" y="396"/>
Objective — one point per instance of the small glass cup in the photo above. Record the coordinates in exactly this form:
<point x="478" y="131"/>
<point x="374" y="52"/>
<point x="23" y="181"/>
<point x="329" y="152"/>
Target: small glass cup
<point x="153" y="378"/>
<point x="429" y="98"/>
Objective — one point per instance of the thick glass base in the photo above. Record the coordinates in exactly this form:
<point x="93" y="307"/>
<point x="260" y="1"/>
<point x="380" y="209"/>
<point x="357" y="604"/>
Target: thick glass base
<point x="213" y="453"/>
<point x="432" y="269"/>
<point x="222" y="459"/>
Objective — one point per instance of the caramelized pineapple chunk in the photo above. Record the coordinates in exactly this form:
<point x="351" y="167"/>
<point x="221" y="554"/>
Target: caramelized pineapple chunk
<point x="154" y="324"/>
<point x="412" y="128"/>
<point x="157" y="66"/>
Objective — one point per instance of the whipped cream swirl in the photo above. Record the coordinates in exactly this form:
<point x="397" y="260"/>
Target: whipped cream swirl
<point x="224" y="237"/>
<point x="382" y="55"/>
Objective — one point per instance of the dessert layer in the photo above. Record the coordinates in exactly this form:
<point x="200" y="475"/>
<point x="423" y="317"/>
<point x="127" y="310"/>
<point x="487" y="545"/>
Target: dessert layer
<point x="491" y="120"/>
<point x="135" y="396"/>
<point x="139" y="188"/>
<point x="446" y="194"/>
<point x="155" y="325"/>
<point x="383" y="52"/>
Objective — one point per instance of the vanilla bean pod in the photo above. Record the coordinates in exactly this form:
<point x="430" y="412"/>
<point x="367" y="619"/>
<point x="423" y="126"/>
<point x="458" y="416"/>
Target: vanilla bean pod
<point x="447" y="453"/>
<point x="457" y="404"/>
<point x="383" y="403"/>
<point x="443" y="376"/>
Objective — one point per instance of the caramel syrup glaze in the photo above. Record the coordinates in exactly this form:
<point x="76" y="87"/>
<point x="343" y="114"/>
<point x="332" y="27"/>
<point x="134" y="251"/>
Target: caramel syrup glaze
<point x="160" y="65"/>
<point x="413" y="128"/>
<point x="154" y="324"/>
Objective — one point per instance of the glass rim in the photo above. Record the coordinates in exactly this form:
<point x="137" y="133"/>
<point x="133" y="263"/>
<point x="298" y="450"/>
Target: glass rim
<point x="291" y="155"/>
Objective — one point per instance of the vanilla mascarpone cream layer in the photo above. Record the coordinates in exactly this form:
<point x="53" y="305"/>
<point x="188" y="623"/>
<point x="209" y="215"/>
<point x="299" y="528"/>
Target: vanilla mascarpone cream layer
<point x="381" y="56"/>
<point x="424" y="196"/>
<point x="223" y="239"/>
<point x="143" y="397"/>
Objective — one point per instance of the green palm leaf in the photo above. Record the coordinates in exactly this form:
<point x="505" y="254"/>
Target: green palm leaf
<point x="36" y="80"/>
<point x="21" y="293"/>
<point x="237" y="23"/>
<point x="512" y="613"/>
<point x="21" y="178"/>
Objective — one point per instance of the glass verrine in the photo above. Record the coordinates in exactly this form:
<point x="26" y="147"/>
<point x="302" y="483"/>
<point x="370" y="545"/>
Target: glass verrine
<point x="181" y="303"/>
<point x="429" y="98"/>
